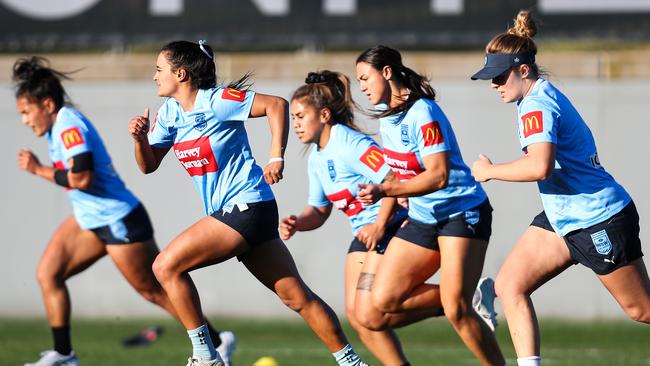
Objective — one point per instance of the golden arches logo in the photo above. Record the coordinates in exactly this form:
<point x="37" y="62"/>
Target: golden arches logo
<point x="71" y="137"/>
<point x="532" y="123"/>
<point x="234" y="94"/>
<point x="432" y="134"/>
<point x="373" y="158"/>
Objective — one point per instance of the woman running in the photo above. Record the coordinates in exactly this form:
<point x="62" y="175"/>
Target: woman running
<point x="449" y="218"/>
<point x="107" y="219"/>
<point x="588" y="217"/>
<point x="204" y="125"/>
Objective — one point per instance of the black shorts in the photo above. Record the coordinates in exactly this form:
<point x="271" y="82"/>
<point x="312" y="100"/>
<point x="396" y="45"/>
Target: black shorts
<point x="256" y="222"/>
<point x="132" y="228"/>
<point x="393" y="226"/>
<point x="606" y="246"/>
<point x="475" y="224"/>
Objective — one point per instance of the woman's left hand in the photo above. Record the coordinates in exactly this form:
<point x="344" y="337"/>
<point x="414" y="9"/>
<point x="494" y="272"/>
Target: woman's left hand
<point x="481" y="167"/>
<point x="273" y="172"/>
<point x="370" y="235"/>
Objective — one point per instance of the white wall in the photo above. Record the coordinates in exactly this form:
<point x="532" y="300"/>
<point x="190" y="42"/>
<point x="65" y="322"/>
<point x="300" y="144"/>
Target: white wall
<point x="31" y="208"/>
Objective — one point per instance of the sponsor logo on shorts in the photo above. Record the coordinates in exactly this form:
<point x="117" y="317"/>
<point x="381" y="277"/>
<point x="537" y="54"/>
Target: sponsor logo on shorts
<point x="196" y="156"/>
<point x="373" y="158"/>
<point x="432" y="134"/>
<point x="601" y="242"/>
<point x="331" y="170"/>
<point x="533" y="123"/>
<point x="233" y="94"/>
<point x="404" y="165"/>
<point x="404" y="134"/>
<point x="346" y="202"/>
<point x="71" y="137"/>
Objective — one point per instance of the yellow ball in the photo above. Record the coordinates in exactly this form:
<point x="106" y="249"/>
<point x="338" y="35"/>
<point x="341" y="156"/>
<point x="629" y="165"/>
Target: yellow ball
<point x="266" y="361"/>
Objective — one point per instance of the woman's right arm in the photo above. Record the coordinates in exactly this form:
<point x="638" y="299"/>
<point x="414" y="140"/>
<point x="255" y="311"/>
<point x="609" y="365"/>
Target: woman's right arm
<point x="309" y="219"/>
<point x="147" y="156"/>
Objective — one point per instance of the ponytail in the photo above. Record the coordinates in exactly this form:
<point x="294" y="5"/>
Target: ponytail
<point x="36" y="81"/>
<point x="418" y="86"/>
<point x="331" y="90"/>
<point x="518" y="39"/>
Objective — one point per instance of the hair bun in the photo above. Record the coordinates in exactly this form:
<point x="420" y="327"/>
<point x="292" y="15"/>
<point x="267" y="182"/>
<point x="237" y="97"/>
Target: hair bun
<point x="25" y="68"/>
<point x="317" y="77"/>
<point x="524" y="25"/>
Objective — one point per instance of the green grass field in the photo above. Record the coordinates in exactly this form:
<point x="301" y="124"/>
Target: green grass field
<point x="432" y="342"/>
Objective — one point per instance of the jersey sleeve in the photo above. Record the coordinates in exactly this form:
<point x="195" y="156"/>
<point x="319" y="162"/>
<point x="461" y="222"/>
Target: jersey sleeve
<point x="430" y="127"/>
<point x="161" y="134"/>
<point x="538" y="122"/>
<point x="316" y="196"/>
<point x="73" y="140"/>
<point x="232" y="104"/>
<point x="365" y="158"/>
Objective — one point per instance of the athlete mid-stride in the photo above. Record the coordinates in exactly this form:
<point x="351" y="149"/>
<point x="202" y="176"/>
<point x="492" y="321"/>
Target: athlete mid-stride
<point x="204" y="126"/>
<point x="107" y="219"/>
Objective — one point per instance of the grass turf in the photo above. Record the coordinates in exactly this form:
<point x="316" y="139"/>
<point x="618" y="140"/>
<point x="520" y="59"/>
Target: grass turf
<point x="432" y="342"/>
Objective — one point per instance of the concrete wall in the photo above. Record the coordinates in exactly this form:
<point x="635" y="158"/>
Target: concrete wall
<point x="617" y="112"/>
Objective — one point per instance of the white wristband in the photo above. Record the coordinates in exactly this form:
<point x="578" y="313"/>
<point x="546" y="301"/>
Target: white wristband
<point x="275" y="160"/>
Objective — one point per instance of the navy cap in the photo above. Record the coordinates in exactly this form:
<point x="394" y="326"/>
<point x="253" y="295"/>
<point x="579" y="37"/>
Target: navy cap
<point x="498" y="63"/>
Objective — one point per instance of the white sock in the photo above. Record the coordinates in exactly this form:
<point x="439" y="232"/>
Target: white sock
<point x="529" y="361"/>
<point x="201" y="343"/>
<point x="346" y="356"/>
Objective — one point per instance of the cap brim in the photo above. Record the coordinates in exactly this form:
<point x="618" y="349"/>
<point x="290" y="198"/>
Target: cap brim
<point x="489" y="73"/>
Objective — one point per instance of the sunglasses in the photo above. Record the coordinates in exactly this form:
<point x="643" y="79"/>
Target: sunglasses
<point x="501" y="78"/>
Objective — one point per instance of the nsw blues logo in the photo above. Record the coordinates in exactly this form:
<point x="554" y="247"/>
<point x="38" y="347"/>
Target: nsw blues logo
<point x="404" y="134"/>
<point x="601" y="242"/>
<point x="199" y="122"/>
<point x="331" y="170"/>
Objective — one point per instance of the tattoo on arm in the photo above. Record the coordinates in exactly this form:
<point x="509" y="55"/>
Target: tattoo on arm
<point x="365" y="281"/>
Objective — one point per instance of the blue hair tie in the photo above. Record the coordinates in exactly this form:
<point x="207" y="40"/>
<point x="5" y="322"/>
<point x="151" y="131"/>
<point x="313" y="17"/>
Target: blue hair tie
<point x="201" y="43"/>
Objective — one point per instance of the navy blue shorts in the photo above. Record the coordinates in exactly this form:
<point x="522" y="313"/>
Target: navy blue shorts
<point x="132" y="228"/>
<point x="475" y="224"/>
<point x="394" y="225"/>
<point x="606" y="246"/>
<point x="256" y="222"/>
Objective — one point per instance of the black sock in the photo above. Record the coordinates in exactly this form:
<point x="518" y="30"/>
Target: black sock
<point x="62" y="339"/>
<point x="214" y="334"/>
<point x="441" y="312"/>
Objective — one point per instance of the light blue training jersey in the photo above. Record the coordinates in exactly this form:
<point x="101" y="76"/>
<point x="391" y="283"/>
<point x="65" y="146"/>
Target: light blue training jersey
<point x="107" y="200"/>
<point x="349" y="159"/>
<point x="579" y="193"/>
<point x="421" y="131"/>
<point x="211" y="143"/>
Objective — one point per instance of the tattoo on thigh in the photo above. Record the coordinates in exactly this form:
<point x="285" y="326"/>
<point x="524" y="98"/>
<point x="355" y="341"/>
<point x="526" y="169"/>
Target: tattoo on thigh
<point x="365" y="281"/>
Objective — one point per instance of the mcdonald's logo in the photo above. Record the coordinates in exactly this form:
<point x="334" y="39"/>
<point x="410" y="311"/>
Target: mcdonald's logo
<point x="432" y="134"/>
<point x="533" y="123"/>
<point x="373" y="158"/>
<point x="71" y="137"/>
<point x="233" y="94"/>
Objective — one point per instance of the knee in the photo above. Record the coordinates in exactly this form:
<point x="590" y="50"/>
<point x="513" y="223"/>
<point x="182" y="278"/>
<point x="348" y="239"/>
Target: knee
<point x="163" y="267"/>
<point x="295" y="298"/>
<point x="506" y="290"/>
<point x="385" y="301"/>
<point x="46" y="277"/>
<point x="456" y="311"/>
<point x="369" y="319"/>
<point x="638" y="314"/>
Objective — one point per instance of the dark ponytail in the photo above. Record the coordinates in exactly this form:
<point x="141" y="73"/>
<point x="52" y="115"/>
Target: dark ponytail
<point x="198" y="60"/>
<point x="419" y="88"/>
<point x="331" y="90"/>
<point x="36" y="81"/>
